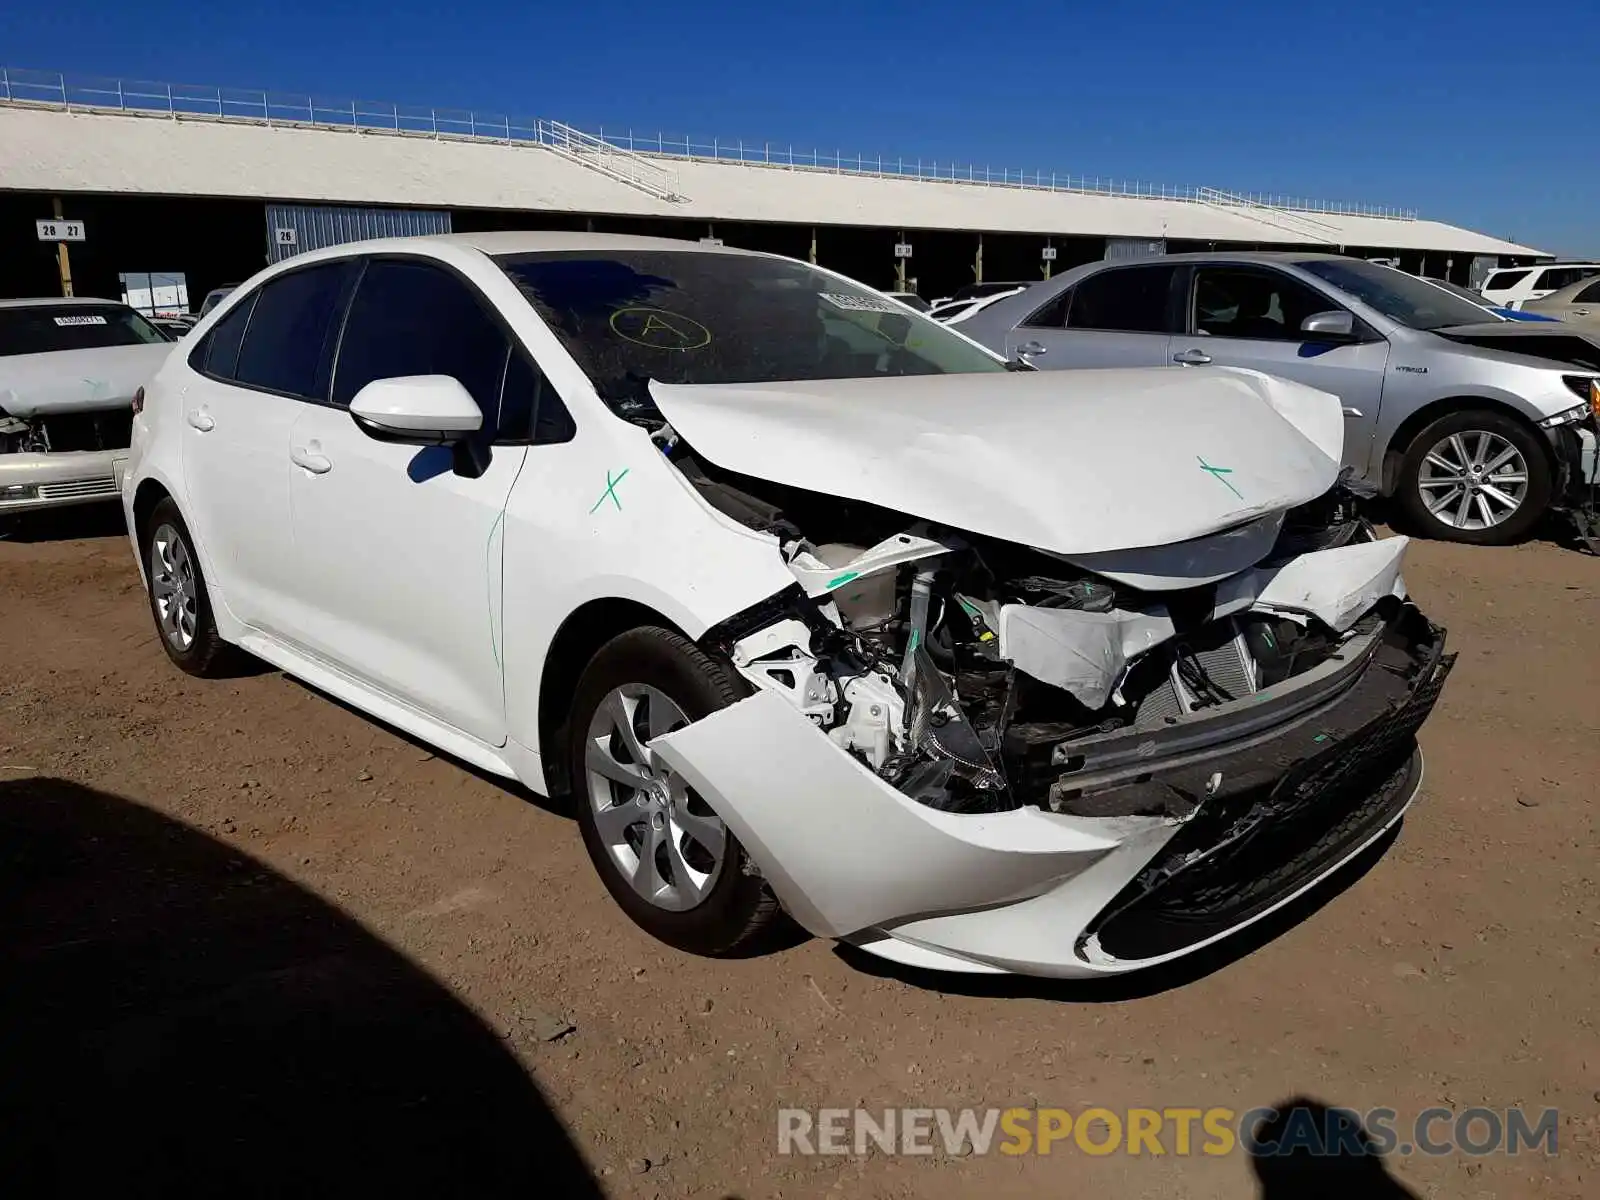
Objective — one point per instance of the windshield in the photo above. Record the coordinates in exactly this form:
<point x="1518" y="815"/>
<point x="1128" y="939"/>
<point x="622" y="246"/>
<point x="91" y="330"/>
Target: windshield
<point x="1455" y="289"/>
<point x="685" y="316"/>
<point x="1401" y="297"/>
<point x="45" y="328"/>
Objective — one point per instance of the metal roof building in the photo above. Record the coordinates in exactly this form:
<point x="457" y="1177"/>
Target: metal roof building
<point x="60" y="141"/>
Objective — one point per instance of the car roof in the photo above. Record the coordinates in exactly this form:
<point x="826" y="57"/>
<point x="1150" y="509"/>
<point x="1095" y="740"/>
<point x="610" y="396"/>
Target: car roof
<point x="57" y="301"/>
<point x="499" y="242"/>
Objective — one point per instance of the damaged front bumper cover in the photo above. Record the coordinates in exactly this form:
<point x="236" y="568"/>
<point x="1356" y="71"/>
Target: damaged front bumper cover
<point x="1164" y="844"/>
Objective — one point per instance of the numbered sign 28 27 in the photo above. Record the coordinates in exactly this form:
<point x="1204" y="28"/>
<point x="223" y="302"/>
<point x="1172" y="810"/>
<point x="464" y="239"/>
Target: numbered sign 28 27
<point x="59" y="231"/>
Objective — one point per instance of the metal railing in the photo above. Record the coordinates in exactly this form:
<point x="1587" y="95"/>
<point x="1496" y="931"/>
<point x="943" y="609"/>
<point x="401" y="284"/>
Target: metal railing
<point x="622" y="156"/>
<point x="596" y="153"/>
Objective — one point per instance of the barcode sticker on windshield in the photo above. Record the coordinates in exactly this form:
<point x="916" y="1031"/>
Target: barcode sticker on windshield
<point x="861" y="303"/>
<point x="80" y="320"/>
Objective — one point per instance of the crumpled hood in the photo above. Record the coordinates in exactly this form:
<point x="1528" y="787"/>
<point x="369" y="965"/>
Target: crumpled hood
<point x="35" y="385"/>
<point x="1552" y="341"/>
<point x="1070" y="462"/>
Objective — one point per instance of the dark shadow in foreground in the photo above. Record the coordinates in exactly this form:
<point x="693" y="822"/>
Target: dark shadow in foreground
<point x="65" y="524"/>
<point x="177" y="1018"/>
<point x="1152" y="980"/>
<point x="1308" y="1151"/>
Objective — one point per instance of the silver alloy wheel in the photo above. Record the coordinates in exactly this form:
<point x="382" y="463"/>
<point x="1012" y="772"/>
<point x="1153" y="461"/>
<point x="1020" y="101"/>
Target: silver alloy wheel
<point x="173" y="587"/>
<point x="663" y="838"/>
<point x="1473" y="480"/>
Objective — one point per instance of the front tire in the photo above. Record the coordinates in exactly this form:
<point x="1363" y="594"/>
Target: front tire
<point x="663" y="854"/>
<point x="179" y="601"/>
<point x="1476" y="476"/>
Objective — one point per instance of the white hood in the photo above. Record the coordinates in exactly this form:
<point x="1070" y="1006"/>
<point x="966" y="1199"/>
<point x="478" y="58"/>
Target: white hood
<point x="35" y="385"/>
<point x="1071" y="462"/>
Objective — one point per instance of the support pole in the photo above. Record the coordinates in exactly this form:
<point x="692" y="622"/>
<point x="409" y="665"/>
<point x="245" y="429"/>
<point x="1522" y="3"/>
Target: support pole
<point x="62" y="260"/>
<point x="977" y="263"/>
<point x="813" y="245"/>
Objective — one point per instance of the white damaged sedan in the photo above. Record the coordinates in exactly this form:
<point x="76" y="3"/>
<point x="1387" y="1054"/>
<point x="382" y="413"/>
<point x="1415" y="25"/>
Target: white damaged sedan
<point x="807" y="602"/>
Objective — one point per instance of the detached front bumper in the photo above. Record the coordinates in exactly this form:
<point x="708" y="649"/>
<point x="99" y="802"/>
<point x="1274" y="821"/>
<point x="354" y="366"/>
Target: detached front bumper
<point x="35" y="480"/>
<point x="1200" y="839"/>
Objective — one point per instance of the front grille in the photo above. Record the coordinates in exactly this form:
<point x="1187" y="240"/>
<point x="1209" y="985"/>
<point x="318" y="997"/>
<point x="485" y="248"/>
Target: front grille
<point x="108" y="430"/>
<point x="1247" y="849"/>
<point x="78" y="489"/>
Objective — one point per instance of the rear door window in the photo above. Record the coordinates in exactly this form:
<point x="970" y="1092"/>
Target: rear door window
<point x="288" y="343"/>
<point x="1589" y="295"/>
<point x="1123" y="299"/>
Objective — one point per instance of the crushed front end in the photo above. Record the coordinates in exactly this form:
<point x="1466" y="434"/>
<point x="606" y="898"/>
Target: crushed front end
<point x="989" y="758"/>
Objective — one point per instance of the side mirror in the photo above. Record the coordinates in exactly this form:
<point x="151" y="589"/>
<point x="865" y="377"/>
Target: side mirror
<point x="424" y="410"/>
<point x="416" y="410"/>
<point x="1336" y="325"/>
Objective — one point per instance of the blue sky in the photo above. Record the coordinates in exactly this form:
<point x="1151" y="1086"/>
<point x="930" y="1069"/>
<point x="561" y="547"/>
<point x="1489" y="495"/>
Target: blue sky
<point x="1484" y="114"/>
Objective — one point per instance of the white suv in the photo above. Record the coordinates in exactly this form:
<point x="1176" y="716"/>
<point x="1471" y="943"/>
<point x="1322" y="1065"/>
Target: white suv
<point x="1512" y="287"/>
<point x="801" y="597"/>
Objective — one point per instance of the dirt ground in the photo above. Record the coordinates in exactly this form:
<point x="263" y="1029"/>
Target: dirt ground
<point x="250" y="937"/>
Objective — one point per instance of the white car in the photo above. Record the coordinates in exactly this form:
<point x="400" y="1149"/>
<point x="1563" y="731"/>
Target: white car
<point x="810" y="603"/>
<point x="1512" y="287"/>
<point x="69" y="370"/>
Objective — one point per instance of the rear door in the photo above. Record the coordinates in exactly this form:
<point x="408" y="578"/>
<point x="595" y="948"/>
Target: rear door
<point x="1582" y="309"/>
<point x="1116" y="317"/>
<point x="255" y="370"/>
<point x="1249" y="316"/>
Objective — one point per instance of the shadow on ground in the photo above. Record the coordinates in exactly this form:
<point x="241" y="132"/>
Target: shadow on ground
<point x="178" y="1018"/>
<point x="65" y="524"/>
<point x="1308" y="1151"/>
<point x="1150" y="981"/>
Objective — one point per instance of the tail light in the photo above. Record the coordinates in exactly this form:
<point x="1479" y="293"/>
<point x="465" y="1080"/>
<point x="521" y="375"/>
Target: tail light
<point x="138" y="402"/>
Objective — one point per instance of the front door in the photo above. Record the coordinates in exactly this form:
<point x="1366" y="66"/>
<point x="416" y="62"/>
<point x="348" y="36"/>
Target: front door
<point x="400" y="555"/>
<point x="1116" y="317"/>
<point x="1247" y="316"/>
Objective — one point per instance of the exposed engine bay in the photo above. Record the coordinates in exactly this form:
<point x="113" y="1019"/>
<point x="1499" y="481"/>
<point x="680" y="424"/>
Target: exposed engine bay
<point x="974" y="675"/>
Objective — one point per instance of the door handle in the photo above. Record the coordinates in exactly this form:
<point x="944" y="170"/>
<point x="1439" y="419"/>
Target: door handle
<point x="317" y="464"/>
<point x="1580" y="312"/>
<point x="1032" y="349"/>
<point x="1192" y="358"/>
<point x="201" y="420"/>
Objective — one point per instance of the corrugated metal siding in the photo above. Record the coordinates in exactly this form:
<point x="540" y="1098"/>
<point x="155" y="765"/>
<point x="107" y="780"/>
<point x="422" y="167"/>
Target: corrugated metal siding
<point x="1135" y="247"/>
<point x="333" y="225"/>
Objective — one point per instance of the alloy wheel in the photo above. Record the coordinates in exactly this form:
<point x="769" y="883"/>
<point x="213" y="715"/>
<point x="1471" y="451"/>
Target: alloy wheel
<point x="173" y="587"/>
<point x="1473" y="480"/>
<point x="661" y="836"/>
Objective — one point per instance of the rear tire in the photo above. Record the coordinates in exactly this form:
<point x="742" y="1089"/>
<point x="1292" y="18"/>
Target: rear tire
<point x="663" y="854"/>
<point x="179" y="600"/>
<point x="1445" y="491"/>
